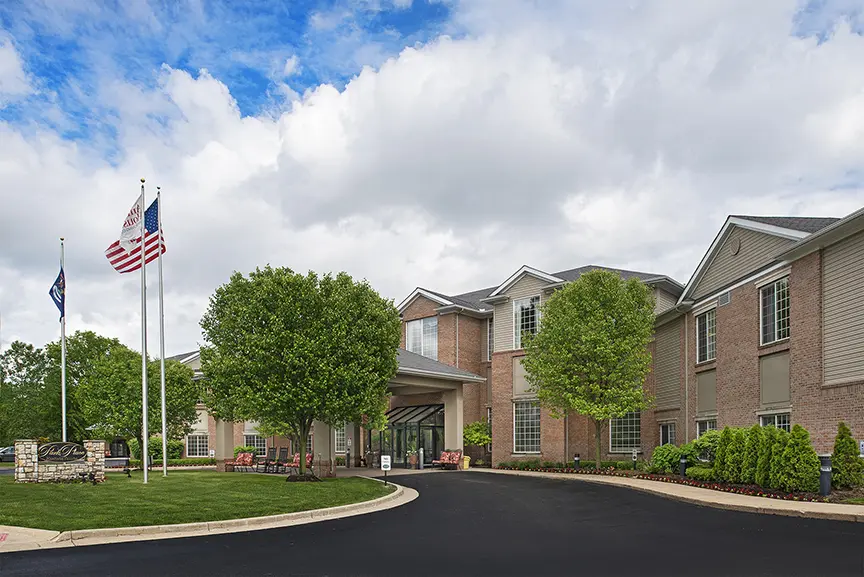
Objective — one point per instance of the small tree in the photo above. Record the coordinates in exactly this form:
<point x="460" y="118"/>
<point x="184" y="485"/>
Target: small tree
<point x="800" y="463"/>
<point x="287" y="349"/>
<point x="735" y="456"/>
<point x="847" y="465"/>
<point x="477" y="434"/>
<point x="722" y="451"/>
<point x="775" y="480"/>
<point x="767" y="439"/>
<point x="591" y="355"/>
<point x="751" y="455"/>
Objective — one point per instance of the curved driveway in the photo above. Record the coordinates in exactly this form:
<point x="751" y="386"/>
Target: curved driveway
<point x="476" y="524"/>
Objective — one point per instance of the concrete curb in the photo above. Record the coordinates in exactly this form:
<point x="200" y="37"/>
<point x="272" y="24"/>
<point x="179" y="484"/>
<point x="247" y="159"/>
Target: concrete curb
<point x="83" y="537"/>
<point x="709" y="498"/>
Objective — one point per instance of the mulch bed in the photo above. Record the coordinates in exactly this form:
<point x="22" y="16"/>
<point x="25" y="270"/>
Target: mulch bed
<point x="750" y="490"/>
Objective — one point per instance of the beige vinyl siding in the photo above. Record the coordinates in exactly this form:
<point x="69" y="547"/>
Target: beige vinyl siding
<point x="667" y="366"/>
<point x="843" y="317"/>
<point x="757" y="250"/>
<point x="527" y="286"/>
<point x="664" y="301"/>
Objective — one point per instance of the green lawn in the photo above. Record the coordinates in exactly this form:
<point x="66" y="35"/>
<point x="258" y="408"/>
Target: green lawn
<point x="855" y="501"/>
<point x="182" y="497"/>
<point x="5" y="465"/>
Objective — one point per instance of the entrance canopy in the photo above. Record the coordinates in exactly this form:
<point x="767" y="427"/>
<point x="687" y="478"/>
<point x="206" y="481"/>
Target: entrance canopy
<point x="423" y="414"/>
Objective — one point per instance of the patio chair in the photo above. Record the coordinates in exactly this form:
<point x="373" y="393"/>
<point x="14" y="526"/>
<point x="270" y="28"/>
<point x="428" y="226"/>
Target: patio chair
<point x="281" y="462"/>
<point x="265" y="464"/>
<point x="243" y="461"/>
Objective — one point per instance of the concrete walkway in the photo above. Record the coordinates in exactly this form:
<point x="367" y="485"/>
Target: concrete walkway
<point x="708" y="497"/>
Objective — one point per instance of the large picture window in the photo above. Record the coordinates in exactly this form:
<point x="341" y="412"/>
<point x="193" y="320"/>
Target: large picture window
<point x="422" y="337"/>
<point x="526" y="427"/>
<point x="196" y="446"/>
<point x="257" y="441"/>
<point x="706" y="336"/>
<point x="774" y="299"/>
<point x="625" y="433"/>
<point x="526" y="318"/>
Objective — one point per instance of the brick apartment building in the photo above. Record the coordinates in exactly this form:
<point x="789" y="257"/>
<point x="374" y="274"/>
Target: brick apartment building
<point x="769" y="329"/>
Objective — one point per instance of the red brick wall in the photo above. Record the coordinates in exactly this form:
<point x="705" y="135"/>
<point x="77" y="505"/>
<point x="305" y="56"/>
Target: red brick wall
<point x="470" y="340"/>
<point x="420" y="308"/>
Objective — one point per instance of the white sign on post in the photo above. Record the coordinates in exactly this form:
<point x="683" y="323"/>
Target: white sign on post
<point x="385" y="462"/>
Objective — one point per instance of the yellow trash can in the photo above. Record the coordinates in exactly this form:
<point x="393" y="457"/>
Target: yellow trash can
<point x="465" y="462"/>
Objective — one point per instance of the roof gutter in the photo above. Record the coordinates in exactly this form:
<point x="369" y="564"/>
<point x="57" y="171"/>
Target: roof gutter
<point x="466" y="378"/>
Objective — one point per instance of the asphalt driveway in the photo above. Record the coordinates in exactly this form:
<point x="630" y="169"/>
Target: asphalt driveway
<point x="478" y="524"/>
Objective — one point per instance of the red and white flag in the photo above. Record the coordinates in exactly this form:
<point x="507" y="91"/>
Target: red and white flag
<point x="125" y="254"/>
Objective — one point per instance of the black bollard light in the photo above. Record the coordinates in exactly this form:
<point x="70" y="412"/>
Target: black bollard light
<point x="824" y="475"/>
<point x="348" y="458"/>
<point x="682" y="466"/>
<point x="576" y="461"/>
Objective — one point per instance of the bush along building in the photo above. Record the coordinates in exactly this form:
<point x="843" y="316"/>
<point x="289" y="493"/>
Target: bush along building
<point x="768" y="330"/>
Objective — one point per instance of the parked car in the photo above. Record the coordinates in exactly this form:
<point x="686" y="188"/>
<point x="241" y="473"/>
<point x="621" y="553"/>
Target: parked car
<point x="7" y="454"/>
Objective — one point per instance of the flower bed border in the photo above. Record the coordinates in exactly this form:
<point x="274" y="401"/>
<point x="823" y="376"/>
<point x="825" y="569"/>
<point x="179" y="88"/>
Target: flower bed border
<point x="714" y="486"/>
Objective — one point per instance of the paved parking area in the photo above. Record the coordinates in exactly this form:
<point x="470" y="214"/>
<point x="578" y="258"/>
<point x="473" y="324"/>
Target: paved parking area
<point x="472" y="524"/>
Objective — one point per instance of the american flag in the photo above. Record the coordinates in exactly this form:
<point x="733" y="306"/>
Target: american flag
<point x="130" y="261"/>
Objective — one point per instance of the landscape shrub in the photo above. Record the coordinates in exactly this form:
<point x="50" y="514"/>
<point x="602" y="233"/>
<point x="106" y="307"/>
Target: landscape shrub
<point x="751" y="455"/>
<point x="553" y="465"/>
<point x="691" y="452"/>
<point x="706" y="445"/>
<point x="720" y="458"/>
<point x="734" y="456"/>
<point x="154" y="448"/>
<point x="767" y="437"/>
<point x="176" y="462"/>
<point x="777" y="465"/>
<point x="537" y="464"/>
<point x="241" y="449"/>
<point x="800" y="463"/>
<point x="847" y="465"/>
<point x="701" y="473"/>
<point x="665" y="459"/>
<point x="340" y="461"/>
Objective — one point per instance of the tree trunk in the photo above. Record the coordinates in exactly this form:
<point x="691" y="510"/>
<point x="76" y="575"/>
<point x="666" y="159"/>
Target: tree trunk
<point x="597" y="428"/>
<point x="304" y="435"/>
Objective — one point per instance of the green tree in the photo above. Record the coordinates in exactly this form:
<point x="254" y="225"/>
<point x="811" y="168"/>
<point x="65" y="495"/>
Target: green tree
<point x="751" y="454"/>
<point x="285" y="349"/>
<point x="800" y="463"/>
<point x="722" y="451"/>
<point x="847" y="465"/>
<point x="735" y="456"/>
<point x="110" y="396"/>
<point x="766" y="446"/>
<point x="25" y="402"/>
<point x="477" y="434"/>
<point x="591" y="355"/>
<point x="775" y="477"/>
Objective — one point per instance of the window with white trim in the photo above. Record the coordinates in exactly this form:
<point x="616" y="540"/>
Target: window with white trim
<point x="490" y="345"/>
<point x="703" y="427"/>
<point x="526" y="427"/>
<point x="340" y="439"/>
<point x="779" y="420"/>
<point x="257" y="441"/>
<point x="667" y="434"/>
<point x="422" y="337"/>
<point x="196" y="446"/>
<point x="706" y="336"/>
<point x="625" y="433"/>
<point x="526" y="318"/>
<point x="774" y="307"/>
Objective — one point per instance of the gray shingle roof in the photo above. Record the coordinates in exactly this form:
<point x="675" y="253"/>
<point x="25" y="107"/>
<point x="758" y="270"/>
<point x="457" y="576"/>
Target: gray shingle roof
<point x="181" y="357"/>
<point x="413" y="361"/>
<point x="574" y="273"/>
<point x="809" y="224"/>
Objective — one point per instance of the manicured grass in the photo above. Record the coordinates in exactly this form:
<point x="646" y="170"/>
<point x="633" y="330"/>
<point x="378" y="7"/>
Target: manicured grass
<point x="182" y="497"/>
<point x="7" y="465"/>
<point x="854" y="501"/>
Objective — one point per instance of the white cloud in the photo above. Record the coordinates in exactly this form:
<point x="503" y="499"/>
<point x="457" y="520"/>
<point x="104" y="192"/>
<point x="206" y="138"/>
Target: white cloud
<point x="556" y="137"/>
<point x="290" y="66"/>
<point x="13" y="80"/>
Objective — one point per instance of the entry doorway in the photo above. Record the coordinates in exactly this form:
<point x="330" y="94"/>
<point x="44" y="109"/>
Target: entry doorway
<point x="408" y="430"/>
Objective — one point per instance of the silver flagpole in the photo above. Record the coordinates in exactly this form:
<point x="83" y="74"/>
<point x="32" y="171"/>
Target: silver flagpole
<point x="162" y="336"/>
<point x="63" y="338"/>
<point x="145" y="455"/>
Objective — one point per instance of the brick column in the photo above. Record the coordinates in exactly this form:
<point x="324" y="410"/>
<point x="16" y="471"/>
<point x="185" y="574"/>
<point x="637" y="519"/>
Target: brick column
<point x="26" y="461"/>
<point x="96" y="458"/>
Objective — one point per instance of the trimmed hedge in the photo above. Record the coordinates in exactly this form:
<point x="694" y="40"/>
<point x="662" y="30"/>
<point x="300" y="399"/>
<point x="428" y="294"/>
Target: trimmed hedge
<point x="705" y="474"/>
<point x="847" y="465"/>
<point x="775" y="478"/>
<point x="665" y="459"/>
<point x="800" y="463"/>
<point x="766" y="448"/>
<point x="706" y="445"/>
<point x="176" y="462"/>
<point x="722" y="450"/>
<point x="751" y="454"/>
<point x="525" y="464"/>
<point x="241" y="449"/>
<point x="154" y="448"/>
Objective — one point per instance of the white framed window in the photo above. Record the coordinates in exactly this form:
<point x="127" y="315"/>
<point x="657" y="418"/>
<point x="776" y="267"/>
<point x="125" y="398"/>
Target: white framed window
<point x="490" y="344"/>
<point x="422" y="337"/>
<point x="706" y="336"/>
<point x="196" y="446"/>
<point x="704" y="426"/>
<point x="340" y="439"/>
<point x="526" y="427"/>
<point x="257" y="441"/>
<point x="625" y="433"/>
<point x="779" y="420"/>
<point x="774" y="311"/>
<point x="526" y="318"/>
<point x="667" y="434"/>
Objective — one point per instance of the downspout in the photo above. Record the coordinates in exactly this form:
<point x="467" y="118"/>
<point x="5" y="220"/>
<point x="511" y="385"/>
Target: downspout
<point x="686" y="379"/>
<point x="457" y="340"/>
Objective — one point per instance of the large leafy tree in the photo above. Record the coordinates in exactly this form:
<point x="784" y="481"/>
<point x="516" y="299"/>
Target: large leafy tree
<point x="110" y="396"/>
<point x="25" y="402"/>
<point x="591" y="355"/>
<point x="285" y="349"/>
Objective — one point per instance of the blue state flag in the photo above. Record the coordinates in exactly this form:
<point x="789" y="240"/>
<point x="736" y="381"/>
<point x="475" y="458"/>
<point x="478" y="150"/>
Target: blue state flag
<point x="58" y="293"/>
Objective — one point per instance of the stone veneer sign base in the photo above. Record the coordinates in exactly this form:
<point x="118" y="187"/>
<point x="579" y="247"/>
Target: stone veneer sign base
<point x="31" y="466"/>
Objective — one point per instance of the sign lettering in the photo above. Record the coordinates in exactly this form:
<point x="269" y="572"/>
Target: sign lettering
<point x="385" y="462"/>
<point x="61" y="452"/>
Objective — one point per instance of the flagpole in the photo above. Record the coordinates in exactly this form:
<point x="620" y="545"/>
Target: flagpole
<point x="63" y="338"/>
<point x="162" y="336"/>
<point x="145" y="455"/>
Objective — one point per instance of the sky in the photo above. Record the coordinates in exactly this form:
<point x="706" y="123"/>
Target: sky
<point x="434" y="143"/>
